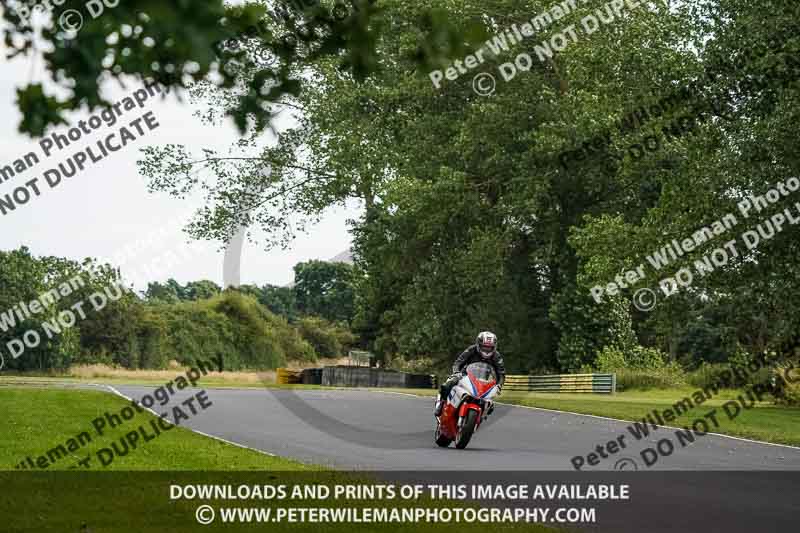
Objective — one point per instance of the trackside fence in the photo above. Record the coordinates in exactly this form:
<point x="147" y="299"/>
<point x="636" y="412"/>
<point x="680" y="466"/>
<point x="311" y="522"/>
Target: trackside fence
<point x="594" y="383"/>
<point x="284" y="376"/>
<point x="354" y="376"/>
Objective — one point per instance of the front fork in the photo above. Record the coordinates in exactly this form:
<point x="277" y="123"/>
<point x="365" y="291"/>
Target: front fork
<point x="462" y="414"/>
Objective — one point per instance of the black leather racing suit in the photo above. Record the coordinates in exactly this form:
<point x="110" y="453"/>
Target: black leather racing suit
<point x="467" y="357"/>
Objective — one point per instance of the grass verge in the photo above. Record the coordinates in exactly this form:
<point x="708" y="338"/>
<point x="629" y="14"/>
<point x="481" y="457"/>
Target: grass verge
<point x="104" y="374"/>
<point x="38" y="420"/>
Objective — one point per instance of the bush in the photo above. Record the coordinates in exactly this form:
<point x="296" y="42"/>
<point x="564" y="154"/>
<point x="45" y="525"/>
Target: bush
<point x="320" y="335"/>
<point x="646" y="358"/>
<point x="611" y="359"/>
<point x="265" y="339"/>
<point x="197" y="332"/>
<point x="787" y="384"/>
<point x="640" y="368"/>
<point x="417" y="365"/>
<point x="708" y="374"/>
<point x="669" y="376"/>
<point x="328" y="339"/>
<point x="791" y="394"/>
<point x="231" y="325"/>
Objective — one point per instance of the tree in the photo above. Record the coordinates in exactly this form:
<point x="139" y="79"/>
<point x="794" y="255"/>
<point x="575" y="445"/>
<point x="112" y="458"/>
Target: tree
<point x="179" y="43"/>
<point x="58" y="307"/>
<point x="169" y="292"/>
<point x="324" y="289"/>
<point x="704" y="176"/>
<point x="24" y="279"/>
<point x="490" y="230"/>
<point x="201" y="290"/>
<point x="474" y="234"/>
<point x="279" y="300"/>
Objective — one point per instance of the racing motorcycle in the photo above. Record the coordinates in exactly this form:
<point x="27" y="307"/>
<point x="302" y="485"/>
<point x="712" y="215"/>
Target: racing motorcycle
<point x="467" y="406"/>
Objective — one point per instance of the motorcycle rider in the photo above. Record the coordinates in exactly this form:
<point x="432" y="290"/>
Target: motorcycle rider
<point x="484" y="350"/>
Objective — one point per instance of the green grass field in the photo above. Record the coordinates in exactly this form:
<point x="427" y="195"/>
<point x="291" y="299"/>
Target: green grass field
<point x="46" y="418"/>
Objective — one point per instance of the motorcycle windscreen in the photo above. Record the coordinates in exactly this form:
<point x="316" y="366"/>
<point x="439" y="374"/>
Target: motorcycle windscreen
<point x="481" y="377"/>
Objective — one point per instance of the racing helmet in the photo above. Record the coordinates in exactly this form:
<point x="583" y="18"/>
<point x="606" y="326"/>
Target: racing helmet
<point x="486" y="344"/>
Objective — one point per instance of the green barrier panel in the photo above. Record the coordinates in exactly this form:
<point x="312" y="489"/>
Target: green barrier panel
<point x="588" y="383"/>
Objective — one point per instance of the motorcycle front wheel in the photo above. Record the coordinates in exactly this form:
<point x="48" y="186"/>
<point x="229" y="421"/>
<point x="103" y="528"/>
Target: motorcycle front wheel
<point x="465" y="433"/>
<point x="440" y="439"/>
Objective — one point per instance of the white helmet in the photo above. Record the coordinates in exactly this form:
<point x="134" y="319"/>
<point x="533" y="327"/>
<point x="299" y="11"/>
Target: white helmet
<point x="486" y="343"/>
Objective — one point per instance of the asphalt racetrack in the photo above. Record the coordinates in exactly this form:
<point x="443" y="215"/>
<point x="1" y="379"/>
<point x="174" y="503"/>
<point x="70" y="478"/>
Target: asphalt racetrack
<point x="716" y="483"/>
<point x="370" y="430"/>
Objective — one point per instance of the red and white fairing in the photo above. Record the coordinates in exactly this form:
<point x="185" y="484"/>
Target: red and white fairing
<point x="474" y="392"/>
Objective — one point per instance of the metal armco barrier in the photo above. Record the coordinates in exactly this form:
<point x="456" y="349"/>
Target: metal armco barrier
<point x="312" y="376"/>
<point x="354" y="376"/>
<point x="350" y="376"/>
<point x="596" y="383"/>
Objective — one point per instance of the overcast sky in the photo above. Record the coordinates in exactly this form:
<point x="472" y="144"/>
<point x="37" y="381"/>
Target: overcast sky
<point x="107" y="207"/>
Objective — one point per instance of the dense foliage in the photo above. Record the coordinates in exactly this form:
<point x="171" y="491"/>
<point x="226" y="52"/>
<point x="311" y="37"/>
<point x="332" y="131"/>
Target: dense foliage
<point x="472" y="221"/>
<point x="180" y="42"/>
<point x="325" y="289"/>
<point x="471" y="218"/>
<point x="169" y="322"/>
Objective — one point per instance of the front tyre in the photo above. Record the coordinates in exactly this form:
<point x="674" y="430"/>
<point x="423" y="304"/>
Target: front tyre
<point x="465" y="433"/>
<point x="440" y="439"/>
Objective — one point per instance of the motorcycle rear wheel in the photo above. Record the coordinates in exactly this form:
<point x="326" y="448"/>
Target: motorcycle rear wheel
<point x="465" y="433"/>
